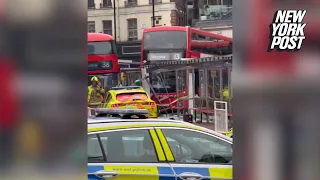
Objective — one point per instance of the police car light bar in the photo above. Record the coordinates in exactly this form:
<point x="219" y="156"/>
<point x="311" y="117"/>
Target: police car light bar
<point x="121" y="111"/>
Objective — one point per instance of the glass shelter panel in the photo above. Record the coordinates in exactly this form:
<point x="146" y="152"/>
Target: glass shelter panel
<point x="212" y="89"/>
<point x="164" y="82"/>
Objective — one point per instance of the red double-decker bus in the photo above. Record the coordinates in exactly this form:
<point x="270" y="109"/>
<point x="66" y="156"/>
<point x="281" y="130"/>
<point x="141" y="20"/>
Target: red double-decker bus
<point x="103" y="59"/>
<point x="167" y="43"/>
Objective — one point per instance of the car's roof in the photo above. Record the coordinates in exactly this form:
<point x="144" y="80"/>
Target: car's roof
<point x="96" y="124"/>
<point x="120" y="91"/>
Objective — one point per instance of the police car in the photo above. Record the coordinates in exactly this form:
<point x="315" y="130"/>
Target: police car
<point x="154" y="149"/>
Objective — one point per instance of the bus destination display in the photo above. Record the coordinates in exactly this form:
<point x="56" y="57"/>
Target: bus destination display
<point x="101" y="65"/>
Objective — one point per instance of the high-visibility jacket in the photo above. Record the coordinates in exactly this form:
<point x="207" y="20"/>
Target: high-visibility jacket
<point x="101" y="92"/>
<point x="226" y="94"/>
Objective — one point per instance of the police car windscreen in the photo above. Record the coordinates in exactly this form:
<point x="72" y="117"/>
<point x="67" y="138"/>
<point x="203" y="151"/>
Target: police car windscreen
<point x="127" y="97"/>
<point x="165" y="40"/>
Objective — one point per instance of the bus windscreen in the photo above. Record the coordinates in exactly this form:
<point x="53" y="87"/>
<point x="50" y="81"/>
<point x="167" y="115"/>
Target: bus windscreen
<point x="165" y="40"/>
<point x="100" y="48"/>
<point x="166" y="84"/>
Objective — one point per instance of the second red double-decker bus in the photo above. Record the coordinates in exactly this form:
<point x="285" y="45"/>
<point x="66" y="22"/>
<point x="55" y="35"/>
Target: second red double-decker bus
<point x="167" y="43"/>
<point x="103" y="59"/>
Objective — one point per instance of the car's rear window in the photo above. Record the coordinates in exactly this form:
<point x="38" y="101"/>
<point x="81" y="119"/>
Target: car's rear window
<point x="123" y="97"/>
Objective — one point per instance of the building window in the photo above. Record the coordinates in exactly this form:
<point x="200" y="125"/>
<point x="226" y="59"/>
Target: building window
<point x="130" y="3"/>
<point x="132" y="29"/>
<point x="91" y="4"/>
<point x="157" y="20"/>
<point x="107" y="27"/>
<point x="91" y="27"/>
<point x="106" y="4"/>
<point x="155" y="1"/>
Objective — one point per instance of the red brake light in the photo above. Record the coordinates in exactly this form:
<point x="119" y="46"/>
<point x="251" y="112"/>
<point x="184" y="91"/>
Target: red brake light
<point x="115" y="105"/>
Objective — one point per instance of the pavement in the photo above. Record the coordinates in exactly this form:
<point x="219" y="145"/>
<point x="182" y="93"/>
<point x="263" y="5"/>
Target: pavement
<point x="204" y="123"/>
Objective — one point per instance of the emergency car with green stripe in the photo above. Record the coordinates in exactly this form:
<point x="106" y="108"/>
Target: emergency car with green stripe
<point x="155" y="149"/>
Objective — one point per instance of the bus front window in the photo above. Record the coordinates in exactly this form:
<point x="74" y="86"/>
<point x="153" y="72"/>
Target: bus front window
<point x="165" y="40"/>
<point x="166" y="82"/>
<point x="100" y="48"/>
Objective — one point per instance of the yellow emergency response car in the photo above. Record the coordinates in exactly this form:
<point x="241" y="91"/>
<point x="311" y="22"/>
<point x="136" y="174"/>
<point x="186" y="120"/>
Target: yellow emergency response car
<point x="155" y="149"/>
<point x="131" y="97"/>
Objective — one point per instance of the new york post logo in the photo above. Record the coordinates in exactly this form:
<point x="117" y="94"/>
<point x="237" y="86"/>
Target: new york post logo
<point x="287" y="30"/>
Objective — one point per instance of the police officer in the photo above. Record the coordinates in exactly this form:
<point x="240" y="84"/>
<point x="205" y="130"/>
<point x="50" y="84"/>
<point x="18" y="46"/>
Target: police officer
<point x="95" y="93"/>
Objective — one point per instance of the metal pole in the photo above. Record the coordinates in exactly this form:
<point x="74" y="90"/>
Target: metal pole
<point x="114" y="21"/>
<point x="193" y="93"/>
<point x="186" y="14"/>
<point x="206" y="81"/>
<point x="229" y="89"/>
<point x="213" y="85"/>
<point x="221" y="84"/>
<point x="153" y="16"/>
<point x="177" y="91"/>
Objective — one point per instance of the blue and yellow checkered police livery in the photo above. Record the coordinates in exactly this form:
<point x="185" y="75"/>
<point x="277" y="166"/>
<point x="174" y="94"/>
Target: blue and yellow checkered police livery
<point x="159" y="172"/>
<point x="204" y="171"/>
<point x="156" y="149"/>
<point x="134" y="171"/>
